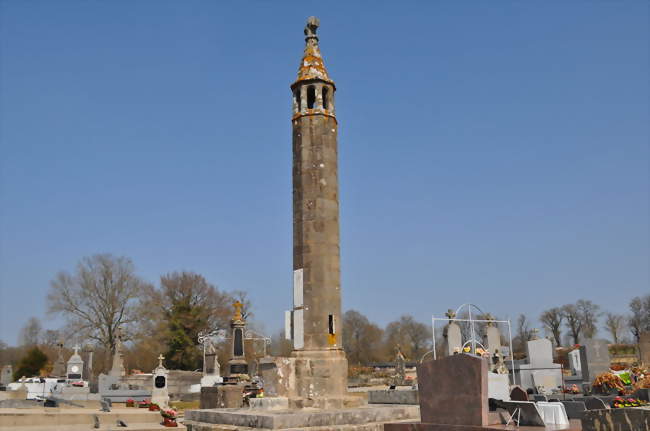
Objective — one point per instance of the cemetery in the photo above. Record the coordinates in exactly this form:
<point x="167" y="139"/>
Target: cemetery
<point x="470" y="379"/>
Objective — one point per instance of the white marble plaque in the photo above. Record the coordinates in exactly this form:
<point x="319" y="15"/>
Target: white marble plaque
<point x="287" y="325"/>
<point x="298" y="330"/>
<point x="297" y="288"/>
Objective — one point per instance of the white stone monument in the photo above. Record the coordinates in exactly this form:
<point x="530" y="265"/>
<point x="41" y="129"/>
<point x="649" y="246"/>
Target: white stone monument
<point x="75" y="366"/>
<point x="118" y="370"/>
<point x="452" y="335"/>
<point x="160" y="394"/>
<point x="541" y="371"/>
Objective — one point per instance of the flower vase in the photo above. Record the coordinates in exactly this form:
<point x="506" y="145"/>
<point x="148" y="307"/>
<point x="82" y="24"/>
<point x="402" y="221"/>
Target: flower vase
<point x="168" y="422"/>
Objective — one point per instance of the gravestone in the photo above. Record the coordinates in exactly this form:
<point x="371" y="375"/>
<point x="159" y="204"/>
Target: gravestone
<point x="540" y="352"/>
<point x="541" y="371"/>
<point x="598" y="360"/>
<point x="75" y="366"/>
<point x="595" y="403"/>
<point x="118" y="370"/>
<point x="518" y="394"/>
<point x="453" y="339"/>
<point x="59" y="365"/>
<point x="574" y="409"/>
<point x="499" y="386"/>
<point x="526" y="412"/>
<point x="574" y="362"/>
<point x="400" y="367"/>
<point x="160" y="394"/>
<point x="6" y="375"/>
<point x="237" y="365"/>
<point x="453" y="390"/>
<point x="644" y="348"/>
<point x="493" y="337"/>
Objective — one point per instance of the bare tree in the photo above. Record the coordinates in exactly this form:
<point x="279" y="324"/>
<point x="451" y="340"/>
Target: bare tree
<point x="412" y="336"/>
<point x="573" y="321"/>
<point x="639" y="321"/>
<point x="30" y="334"/>
<point x="614" y="324"/>
<point x="360" y="338"/>
<point x="552" y="320"/>
<point x="524" y="333"/>
<point x="99" y="297"/>
<point x="589" y="314"/>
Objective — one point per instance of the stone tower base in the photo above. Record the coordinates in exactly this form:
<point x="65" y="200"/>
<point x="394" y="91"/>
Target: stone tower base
<point x="309" y="379"/>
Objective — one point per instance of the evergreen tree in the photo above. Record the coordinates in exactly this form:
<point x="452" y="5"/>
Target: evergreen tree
<point x="31" y="364"/>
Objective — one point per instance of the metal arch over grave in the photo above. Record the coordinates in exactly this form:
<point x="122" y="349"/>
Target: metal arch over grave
<point x="472" y="341"/>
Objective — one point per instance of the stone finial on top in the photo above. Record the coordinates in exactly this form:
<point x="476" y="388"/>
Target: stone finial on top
<point x="490" y="319"/>
<point x="312" y="25"/>
<point x="238" y="306"/>
<point x="160" y="359"/>
<point x="312" y="66"/>
<point x="450" y="314"/>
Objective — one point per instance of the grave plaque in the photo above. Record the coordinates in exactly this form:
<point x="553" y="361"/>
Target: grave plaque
<point x="518" y="394"/>
<point x="598" y="360"/>
<point x="453" y="390"/>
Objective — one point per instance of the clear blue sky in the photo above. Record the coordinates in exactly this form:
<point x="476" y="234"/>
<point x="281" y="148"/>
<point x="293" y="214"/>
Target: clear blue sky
<point x="490" y="152"/>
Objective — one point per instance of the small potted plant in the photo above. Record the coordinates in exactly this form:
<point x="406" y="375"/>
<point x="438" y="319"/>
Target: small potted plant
<point x="169" y="417"/>
<point x="130" y="402"/>
<point x="144" y="404"/>
<point x="153" y="407"/>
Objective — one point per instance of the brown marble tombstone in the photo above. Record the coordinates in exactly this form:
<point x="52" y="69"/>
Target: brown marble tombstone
<point x="518" y="394"/>
<point x="453" y="391"/>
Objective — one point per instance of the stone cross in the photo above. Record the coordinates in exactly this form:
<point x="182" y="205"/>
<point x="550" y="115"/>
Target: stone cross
<point x="160" y="359"/>
<point x="76" y="349"/>
<point x="312" y="25"/>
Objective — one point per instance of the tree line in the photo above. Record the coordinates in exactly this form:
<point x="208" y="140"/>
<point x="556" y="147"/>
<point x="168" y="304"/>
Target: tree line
<point x="573" y="323"/>
<point x="103" y="296"/>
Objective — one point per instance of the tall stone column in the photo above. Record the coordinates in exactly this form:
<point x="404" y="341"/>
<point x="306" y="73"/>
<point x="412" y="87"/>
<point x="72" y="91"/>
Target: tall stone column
<point x="320" y="363"/>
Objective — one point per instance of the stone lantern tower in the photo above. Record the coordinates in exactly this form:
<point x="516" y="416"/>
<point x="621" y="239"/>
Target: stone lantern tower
<point x="320" y="362"/>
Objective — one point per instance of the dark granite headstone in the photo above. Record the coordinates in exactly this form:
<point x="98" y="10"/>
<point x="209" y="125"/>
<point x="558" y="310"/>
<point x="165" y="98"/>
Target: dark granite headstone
<point x="526" y="412"/>
<point x="453" y="390"/>
<point x="574" y="409"/>
<point x="539" y="397"/>
<point x="595" y="403"/>
<point x="642" y="394"/>
<point x="627" y="419"/>
<point x="518" y="394"/>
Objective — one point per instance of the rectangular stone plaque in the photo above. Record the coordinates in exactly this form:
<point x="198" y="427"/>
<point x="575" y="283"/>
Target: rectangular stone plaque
<point x="454" y="390"/>
<point x="297" y="288"/>
<point x="298" y="330"/>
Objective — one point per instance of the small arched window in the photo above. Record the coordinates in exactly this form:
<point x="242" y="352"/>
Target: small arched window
<point x="311" y="97"/>
<point x="326" y="104"/>
<point x="296" y="98"/>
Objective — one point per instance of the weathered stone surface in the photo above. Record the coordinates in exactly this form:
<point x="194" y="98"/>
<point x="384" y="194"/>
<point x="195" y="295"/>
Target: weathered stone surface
<point x="208" y="398"/>
<point x="291" y="419"/>
<point x="628" y="419"/>
<point x="435" y="427"/>
<point x="453" y="390"/>
<point x="574" y="409"/>
<point x="409" y="396"/>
